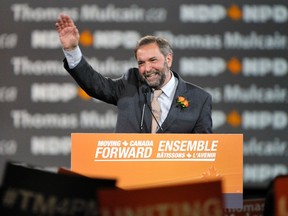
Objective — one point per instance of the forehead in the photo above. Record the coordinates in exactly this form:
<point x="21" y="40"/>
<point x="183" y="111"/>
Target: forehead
<point x="148" y="51"/>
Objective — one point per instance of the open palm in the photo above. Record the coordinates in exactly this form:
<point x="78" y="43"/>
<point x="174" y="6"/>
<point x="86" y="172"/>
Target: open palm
<point x="68" y="32"/>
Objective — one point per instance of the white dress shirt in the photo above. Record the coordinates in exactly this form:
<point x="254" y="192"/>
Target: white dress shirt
<point x="166" y="98"/>
<point x="73" y="57"/>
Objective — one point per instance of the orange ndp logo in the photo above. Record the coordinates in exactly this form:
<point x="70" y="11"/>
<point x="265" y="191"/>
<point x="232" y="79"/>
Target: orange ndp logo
<point x="234" y="12"/>
<point x="234" y="118"/>
<point x="252" y="119"/>
<point x="109" y="39"/>
<point x="258" y="66"/>
<point x="246" y="66"/>
<point x="258" y="13"/>
<point x="234" y="66"/>
<point x="86" y="38"/>
<point x="249" y="13"/>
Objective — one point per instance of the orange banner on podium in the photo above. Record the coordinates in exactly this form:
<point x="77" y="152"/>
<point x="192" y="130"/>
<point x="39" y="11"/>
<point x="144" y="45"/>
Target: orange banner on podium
<point x="199" y="199"/>
<point x="147" y="160"/>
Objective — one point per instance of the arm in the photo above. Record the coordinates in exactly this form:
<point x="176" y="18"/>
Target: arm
<point x="69" y="38"/>
<point x="93" y="83"/>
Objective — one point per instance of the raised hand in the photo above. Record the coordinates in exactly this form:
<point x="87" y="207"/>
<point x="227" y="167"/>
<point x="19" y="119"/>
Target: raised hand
<point x="68" y="32"/>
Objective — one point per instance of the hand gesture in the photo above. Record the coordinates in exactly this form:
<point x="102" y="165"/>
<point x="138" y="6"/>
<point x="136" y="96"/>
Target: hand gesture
<point x="68" y="32"/>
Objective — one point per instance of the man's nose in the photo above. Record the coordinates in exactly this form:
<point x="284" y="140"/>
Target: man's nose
<point x="148" y="67"/>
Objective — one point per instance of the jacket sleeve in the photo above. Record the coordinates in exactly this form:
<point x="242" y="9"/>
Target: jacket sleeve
<point x="95" y="84"/>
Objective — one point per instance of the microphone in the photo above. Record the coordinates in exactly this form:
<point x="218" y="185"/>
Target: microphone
<point x="145" y="92"/>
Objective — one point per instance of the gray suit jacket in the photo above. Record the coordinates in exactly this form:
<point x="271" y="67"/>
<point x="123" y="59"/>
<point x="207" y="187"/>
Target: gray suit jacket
<point x="128" y="94"/>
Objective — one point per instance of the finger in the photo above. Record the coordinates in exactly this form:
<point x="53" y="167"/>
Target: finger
<point x="66" y="20"/>
<point x="59" y="24"/>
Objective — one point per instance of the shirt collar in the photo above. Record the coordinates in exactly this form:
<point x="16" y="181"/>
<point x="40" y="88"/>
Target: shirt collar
<point x="169" y="87"/>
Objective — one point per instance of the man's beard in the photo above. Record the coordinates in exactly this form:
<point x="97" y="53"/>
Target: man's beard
<point x="157" y="84"/>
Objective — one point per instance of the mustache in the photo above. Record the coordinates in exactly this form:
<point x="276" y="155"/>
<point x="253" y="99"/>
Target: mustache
<point x="148" y="73"/>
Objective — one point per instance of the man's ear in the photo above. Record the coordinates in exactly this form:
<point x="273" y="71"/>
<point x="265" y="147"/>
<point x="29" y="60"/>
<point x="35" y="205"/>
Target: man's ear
<point x="169" y="59"/>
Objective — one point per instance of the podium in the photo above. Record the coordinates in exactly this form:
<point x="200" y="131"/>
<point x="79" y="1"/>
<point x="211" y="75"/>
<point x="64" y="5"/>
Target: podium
<point x="151" y="160"/>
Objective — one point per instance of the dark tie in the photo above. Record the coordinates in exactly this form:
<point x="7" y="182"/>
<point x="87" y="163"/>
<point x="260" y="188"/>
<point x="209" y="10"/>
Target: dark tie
<point x="155" y="109"/>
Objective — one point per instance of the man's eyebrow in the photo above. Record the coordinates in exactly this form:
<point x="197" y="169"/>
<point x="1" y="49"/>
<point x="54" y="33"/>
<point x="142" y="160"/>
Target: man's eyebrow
<point x="149" y="59"/>
<point x="154" y="57"/>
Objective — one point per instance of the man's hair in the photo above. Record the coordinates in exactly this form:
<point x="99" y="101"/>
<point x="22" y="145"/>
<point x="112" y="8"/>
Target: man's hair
<point x="163" y="44"/>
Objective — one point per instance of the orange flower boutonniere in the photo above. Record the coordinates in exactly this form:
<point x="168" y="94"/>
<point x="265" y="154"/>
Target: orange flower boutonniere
<point x="182" y="101"/>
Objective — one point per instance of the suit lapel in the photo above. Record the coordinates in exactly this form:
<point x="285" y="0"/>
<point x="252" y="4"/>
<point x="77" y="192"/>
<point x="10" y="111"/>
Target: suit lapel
<point x="174" y="109"/>
<point x="173" y="113"/>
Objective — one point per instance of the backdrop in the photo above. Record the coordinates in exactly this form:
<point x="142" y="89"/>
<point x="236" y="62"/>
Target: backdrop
<point x="237" y="50"/>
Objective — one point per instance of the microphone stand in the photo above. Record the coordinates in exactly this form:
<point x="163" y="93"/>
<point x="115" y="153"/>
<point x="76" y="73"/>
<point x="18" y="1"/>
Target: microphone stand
<point x="142" y="117"/>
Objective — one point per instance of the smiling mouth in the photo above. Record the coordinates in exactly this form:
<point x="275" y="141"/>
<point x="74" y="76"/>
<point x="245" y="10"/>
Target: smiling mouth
<point x="150" y="75"/>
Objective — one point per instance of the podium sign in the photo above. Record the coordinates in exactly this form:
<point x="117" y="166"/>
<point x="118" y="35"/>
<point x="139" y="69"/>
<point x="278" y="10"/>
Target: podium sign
<point x="199" y="199"/>
<point x="147" y="160"/>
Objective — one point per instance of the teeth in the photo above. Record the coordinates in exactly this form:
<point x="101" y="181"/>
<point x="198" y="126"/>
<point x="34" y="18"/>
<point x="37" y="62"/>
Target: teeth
<point x="149" y="75"/>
